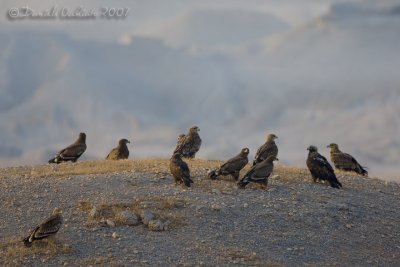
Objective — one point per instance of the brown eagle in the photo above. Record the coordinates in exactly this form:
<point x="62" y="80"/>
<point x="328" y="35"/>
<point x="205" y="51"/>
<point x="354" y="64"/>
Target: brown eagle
<point x="320" y="168"/>
<point x="71" y="152"/>
<point x="269" y="148"/>
<point x="119" y="152"/>
<point x="190" y="144"/>
<point x="47" y="228"/>
<point x="232" y="166"/>
<point x="180" y="170"/>
<point x="344" y="161"/>
<point x="259" y="173"/>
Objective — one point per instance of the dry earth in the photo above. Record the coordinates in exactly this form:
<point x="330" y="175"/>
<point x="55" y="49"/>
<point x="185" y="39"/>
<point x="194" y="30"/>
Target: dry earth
<point x="292" y="223"/>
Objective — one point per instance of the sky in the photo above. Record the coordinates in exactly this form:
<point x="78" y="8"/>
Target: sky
<point x="312" y="72"/>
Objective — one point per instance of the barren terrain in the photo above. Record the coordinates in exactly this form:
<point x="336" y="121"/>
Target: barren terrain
<point x="129" y="213"/>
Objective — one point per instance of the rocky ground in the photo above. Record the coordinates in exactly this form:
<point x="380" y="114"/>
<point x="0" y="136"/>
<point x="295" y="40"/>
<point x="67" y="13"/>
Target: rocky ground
<point x="129" y="213"/>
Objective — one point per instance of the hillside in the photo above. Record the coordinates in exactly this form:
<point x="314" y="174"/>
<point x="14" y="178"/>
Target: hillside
<point x="294" y="222"/>
<point x="328" y="79"/>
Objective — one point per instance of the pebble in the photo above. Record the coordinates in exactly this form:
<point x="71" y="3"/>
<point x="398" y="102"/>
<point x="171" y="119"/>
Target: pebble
<point x="127" y="217"/>
<point x="110" y="223"/>
<point x="147" y="216"/>
<point x="94" y="213"/>
<point x="156" y="225"/>
<point x="215" y="191"/>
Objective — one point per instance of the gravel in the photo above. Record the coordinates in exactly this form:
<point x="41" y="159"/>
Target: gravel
<point x="293" y="223"/>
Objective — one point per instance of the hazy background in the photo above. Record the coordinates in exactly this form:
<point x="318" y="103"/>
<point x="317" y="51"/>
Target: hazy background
<point x="312" y="72"/>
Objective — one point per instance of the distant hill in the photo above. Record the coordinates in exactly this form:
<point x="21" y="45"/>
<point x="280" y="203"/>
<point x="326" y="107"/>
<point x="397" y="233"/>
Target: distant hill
<point x="331" y="80"/>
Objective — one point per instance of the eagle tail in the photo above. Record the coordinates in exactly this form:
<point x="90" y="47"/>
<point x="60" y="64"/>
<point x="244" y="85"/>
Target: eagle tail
<point x="213" y="174"/>
<point x="242" y="183"/>
<point x="27" y="242"/>
<point x="54" y="160"/>
<point x="335" y="183"/>
<point x="362" y="171"/>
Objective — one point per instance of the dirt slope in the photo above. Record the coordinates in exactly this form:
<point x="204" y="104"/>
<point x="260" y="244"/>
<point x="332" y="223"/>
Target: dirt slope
<point x="293" y="223"/>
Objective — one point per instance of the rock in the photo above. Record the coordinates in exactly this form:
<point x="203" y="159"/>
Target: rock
<point x="216" y="207"/>
<point x="147" y="216"/>
<point x="94" y="213"/>
<point x="147" y="204"/>
<point x="114" y="235"/>
<point x="110" y="223"/>
<point x="127" y="217"/>
<point x="215" y="191"/>
<point x="155" y="225"/>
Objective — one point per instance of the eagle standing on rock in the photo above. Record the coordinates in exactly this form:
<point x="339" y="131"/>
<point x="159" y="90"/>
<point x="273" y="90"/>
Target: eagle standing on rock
<point x="320" y="168"/>
<point x="179" y="170"/>
<point x="259" y="173"/>
<point x="71" y="152"/>
<point x="191" y="144"/>
<point x="119" y="152"/>
<point x="232" y="166"/>
<point x="47" y="228"/>
<point x="269" y="148"/>
<point x="344" y="161"/>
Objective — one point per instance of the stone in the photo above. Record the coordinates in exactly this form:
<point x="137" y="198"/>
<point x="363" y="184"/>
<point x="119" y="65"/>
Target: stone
<point x="110" y="223"/>
<point x="94" y="213"/>
<point x="127" y="217"/>
<point x="147" y="216"/>
<point x="155" y="225"/>
<point x="215" y="191"/>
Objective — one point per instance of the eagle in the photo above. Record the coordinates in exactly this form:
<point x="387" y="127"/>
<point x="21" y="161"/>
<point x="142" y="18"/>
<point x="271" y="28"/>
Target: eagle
<point x="180" y="170"/>
<point x="320" y="168"/>
<point x="71" y="152"/>
<point x="119" y="152"/>
<point x="190" y="144"/>
<point x="232" y="166"/>
<point x="179" y="142"/>
<point x="259" y="173"/>
<point x="47" y="228"/>
<point x="344" y="161"/>
<point x="269" y="148"/>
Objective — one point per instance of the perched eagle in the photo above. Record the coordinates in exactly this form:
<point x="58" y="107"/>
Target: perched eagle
<point x="191" y="144"/>
<point x="259" y="173"/>
<point x="71" y="152"/>
<point x="269" y="148"/>
<point x="232" y="166"/>
<point x="119" y="152"/>
<point x="47" y="228"/>
<point x="179" y="142"/>
<point x="320" y="168"/>
<point x="179" y="170"/>
<point x="344" y="161"/>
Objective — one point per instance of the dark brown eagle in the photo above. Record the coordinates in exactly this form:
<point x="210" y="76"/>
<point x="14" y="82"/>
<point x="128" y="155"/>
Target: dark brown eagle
<point x="259" y="173"/>
<point x="180" y="170"/>
<point x="232" y="166"/>
<point x="320" y="168"/>
<point x="71" y="152"/>
<point x="119" y="152"/>
<point x="47" y="228"/>
<point x="344" y="161"/>
<point x="269" y="148"/>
